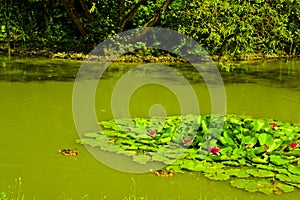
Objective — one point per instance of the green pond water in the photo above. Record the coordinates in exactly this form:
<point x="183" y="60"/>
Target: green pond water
<point x="36" y="121"/>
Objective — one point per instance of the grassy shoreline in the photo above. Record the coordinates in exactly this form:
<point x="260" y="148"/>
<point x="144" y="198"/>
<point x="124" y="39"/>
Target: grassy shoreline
<point x="139" y="58"/>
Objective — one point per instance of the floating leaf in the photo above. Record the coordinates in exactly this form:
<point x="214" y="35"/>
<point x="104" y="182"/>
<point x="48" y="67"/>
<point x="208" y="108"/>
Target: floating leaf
<point x="260" y="173"/>
<point x="139" y="130"/>
<point x="126" y="141"/>
<point x="165" y="140"/>
<point x="226" y="150"/>
<point x="266" y="190"/>
<point x="286" y="188"/>
<point x="227" y="141"/>
<point x="275" y="145"/>
<point x="264" y="159"/>
<point x="282" y="171"/>
<point x="176" y="168"/>
<point x="238" y="152"/>
<point x="159" y="157"/>
<point x="147" y="148"/>
<point x="242" y="161"/>
<point x="188" y="164"/>
<point x="113" y="148"/>
<point x="220" y="176"/>
<point x="288" y="178"/>
<point x="277" y="160"/>
<point x="294" y="152"/>
<point x="295" y="185"/>
<point x="263" y="186"/>
<point x="199" y="167"/>
<point x="177" y="162"/>
<point x="142" y="159"/>
<point x="294" y="170"/>
<point x="249" y="185"/>
<point x="265" y="138"/>
<point x="85" y="141"/>
<point x="127" y="153"/>
<point x="144" y="141"/>
<point x="93" y="134"/>
<point x="258" y="125"/>
<point x="232" y="163"/>
<point x="237" y="173"/>
<point x="244" y="143"/>
<point x="248" y="140"/>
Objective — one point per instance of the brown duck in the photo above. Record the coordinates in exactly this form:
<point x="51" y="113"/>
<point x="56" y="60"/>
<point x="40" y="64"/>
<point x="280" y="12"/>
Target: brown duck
<point x="163" y="173"/>
<point x="68" y="152"/>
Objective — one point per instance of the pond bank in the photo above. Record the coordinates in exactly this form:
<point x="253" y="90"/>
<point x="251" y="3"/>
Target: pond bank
<point x="138" y="58"/>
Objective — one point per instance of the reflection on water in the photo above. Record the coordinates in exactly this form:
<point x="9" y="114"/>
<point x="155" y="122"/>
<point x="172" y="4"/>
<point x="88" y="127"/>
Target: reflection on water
<point x="272" y="73"/>
<point x="36" y="121"/>
<point x="278" y="73"/>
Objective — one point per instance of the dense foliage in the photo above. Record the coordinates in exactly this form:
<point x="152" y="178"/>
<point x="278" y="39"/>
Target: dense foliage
<point x="224" y="27"/>
<point x="258" y="155"/>
<point x="239" y="26"/>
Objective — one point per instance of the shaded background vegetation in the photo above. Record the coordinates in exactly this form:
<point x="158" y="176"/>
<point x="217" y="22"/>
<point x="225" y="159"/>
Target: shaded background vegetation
<point x="223" y="27"/>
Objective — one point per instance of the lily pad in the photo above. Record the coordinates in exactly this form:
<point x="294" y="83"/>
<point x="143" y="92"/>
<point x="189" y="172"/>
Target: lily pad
<point x="277" y="160"/>
<point x="231" y="163"/>
<point x="263" y="186"/>
<point x="142" y="159"/>
<point x="288" y="178"/>
<point x="258" y="125"/>
<point x="286" y="188"/>
<point x="294" y="169"/>
<point x="159" y="157"/>
<point x="260" y="173"/>
<point x="188" y="164"/>
<point x="247" y="148"/>
<point x="93" y="134"/>
<point x="219" y="176"/>
<point x="237" y="173"/>
<point x="265" y="138"/>
<point x="249" y="185"/>
<point x="176" y="168"/>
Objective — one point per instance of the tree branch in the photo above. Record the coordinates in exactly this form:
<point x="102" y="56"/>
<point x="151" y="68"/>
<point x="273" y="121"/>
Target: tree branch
<point x="156" y="18"/>
<point x="123" y="19"/>
<point x="121" y="11"/>
<point x="86" y="11"/>
<point x="70" y="7"/>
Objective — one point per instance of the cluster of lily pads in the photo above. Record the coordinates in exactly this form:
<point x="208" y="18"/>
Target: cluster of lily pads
<point x="258" y="155"/>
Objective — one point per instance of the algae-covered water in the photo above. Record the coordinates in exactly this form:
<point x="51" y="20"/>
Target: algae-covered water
<point x="36" y="121"/>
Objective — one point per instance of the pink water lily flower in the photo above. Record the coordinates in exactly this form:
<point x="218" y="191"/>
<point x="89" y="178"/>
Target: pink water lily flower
<point x="214" y="150"/>
<point x="152" y="132"/>
<point x="293" y="145"/>
<point x="186" y="141"/>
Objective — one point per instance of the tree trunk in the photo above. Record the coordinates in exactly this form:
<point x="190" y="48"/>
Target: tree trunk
<point x="86" y="11"/>
<point x="7" y="27"/>
<point x="121" y="11"/>
<point x="152" y="21"/>
<point x="122" y="18"/>
<point x="70" y="7"/>
<point x="156" y="18"/>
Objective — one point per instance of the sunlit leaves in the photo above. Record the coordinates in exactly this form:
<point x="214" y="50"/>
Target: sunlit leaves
<point x="239" y="28"/>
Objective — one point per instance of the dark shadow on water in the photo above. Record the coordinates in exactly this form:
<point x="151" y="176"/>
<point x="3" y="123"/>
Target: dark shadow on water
<point x="277" y="73"/>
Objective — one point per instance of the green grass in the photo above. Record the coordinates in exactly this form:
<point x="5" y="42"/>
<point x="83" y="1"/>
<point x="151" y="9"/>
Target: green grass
<point x="3" y="196"/>
<point x="16" y="194"/>
<point x="133" y="196"/>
